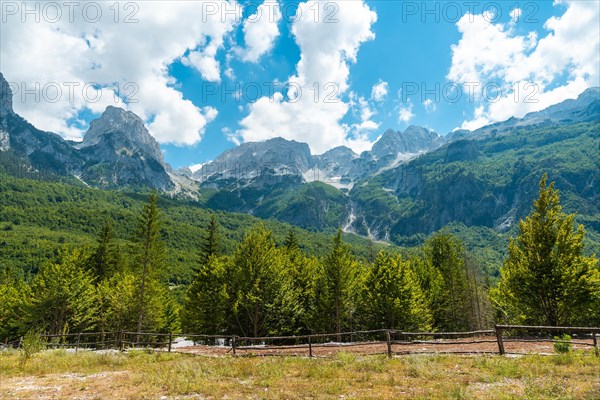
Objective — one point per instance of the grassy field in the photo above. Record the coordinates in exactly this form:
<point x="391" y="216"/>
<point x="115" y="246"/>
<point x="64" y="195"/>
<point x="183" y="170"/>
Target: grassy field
<point x="146" y="375"/>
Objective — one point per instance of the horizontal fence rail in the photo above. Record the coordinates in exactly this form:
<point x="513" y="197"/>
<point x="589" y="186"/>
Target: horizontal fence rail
<point x="379" y="341"/>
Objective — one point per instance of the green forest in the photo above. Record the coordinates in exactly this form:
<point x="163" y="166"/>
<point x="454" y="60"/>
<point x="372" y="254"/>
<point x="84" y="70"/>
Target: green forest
<point x="152" y="264"/>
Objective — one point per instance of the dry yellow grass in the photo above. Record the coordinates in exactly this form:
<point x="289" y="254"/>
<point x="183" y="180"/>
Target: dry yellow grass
<point x="141" y="375"/>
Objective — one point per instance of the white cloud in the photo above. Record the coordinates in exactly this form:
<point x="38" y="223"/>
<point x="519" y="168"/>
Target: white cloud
<point x="405" y="113"/>
<point x="326" y="48"/>
<point x="110" y="54"/>
<point x="429" y="105"/>
<point x="489" y="52"/>
<point x="515" y="14"/>
<point x="261" y="30"/>
<point x="379" y="91"/>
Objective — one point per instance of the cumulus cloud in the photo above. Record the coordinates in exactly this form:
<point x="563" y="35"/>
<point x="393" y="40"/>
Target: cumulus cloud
<point x="379" y="91"/>
<point x="528" y="73"/>
<point x="405" y="113"/>
<point x="261" y="30"/>
<point x="124" y="63"/>
<point x="429" y="105"/>
<point x="312" y="109"/>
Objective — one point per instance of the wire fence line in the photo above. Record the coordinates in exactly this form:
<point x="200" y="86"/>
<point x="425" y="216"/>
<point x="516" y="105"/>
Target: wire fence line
<point x="379" y="341"/>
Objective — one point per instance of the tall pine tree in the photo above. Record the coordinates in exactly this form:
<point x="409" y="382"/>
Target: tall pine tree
<point x="392" y="297"/>
<point x="149" y="265"/>
<point x="106" y="259"/>
<point x="445" y="254"/>
<point x="253" y="283"/>
<point x="212" y="242"/>
<point x="546" y="279"/>
<point x="336" y="299"/>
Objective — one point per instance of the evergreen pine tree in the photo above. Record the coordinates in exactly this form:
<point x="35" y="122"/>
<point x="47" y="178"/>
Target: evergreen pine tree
<point x="150" y="256"/>
<point x="339" y="270"/>
<point x="253" y="282"/>
<point x="392" y="297"/>
<point x="205" y="303"/>
<point x="63" y="296"/>
<point x="291" y="241"/>
<point x="212" y="243"/>
<point x="546" y="279"/>
<point x="106" y="259"/>
<point x="445" y="254"/>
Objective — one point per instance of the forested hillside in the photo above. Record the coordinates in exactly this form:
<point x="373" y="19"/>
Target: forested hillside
<point x="37" y="217"/>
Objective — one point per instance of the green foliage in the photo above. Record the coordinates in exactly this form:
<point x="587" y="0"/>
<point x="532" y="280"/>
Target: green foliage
<point x="212" y="243"/>
<point x="445" y="260"/>
<point x="13" y="296"/>
<point x="253" y="281"/>
<point x="336" y="291"/>
<point x="546" y="280"/>
<point x="62" y="296"/>
<point x="149" y="259"/>
<point x="42" y="215"/>
<point x="206" y="299"/>
<point x="561" y="347"/>
<point x="392" y="297"/>
<point x="32" y="343"/>
<point x="295" y="308"/>
<point x="106" y="259"/>
<point x="117" y="303"/>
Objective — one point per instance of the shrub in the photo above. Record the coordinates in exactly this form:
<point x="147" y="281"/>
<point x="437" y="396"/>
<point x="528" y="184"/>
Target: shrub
<point x="32" y="343"/>
<point x="562" y="347"/>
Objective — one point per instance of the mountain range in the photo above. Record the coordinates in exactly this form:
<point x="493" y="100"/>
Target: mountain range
<point x="409" y="184"/>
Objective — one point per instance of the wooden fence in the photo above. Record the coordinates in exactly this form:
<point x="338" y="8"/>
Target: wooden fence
<point x="381" y="341"/>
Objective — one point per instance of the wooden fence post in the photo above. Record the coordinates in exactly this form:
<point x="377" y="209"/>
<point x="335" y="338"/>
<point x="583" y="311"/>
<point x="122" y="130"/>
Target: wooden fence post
<point x="20" y="342"/>
<point x="170" y="340"/>
<point x="233" y="345"/>
<point x="78" y="341"/>
<point x="121" y="336"/>
<point x="309" y="347"/>
<point x="389" y="344"/>
<point x="500" y="342"/>
<point x="594" y="333"/>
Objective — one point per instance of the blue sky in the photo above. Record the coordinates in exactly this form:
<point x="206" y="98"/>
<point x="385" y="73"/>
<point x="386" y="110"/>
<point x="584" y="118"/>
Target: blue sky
<point x="384" y="64"/>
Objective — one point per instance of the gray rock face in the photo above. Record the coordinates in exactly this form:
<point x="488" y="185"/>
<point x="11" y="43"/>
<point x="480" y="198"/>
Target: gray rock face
<point x="4" y="140"/>
<point x="122" y="128"/>
<point x="5" y="110"/>
<point x="338" y="160"/>
<point x="395" y="148"/>
<point x="339" y="167"/>
<point x="585" y="108"/>
<point x="249" y="161"/>
<point x="5" y="98"/>
<point x="414" y="139"/>
<point x="119" y="150"/>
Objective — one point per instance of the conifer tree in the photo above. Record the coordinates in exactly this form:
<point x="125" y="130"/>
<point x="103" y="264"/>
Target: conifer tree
<point x="253" y="283"/>
<point x="205" y="303"/>
<point x="63" y="297"/>
<point x="117" y="303"/>
<point x="339" y="270"/>
<point x="212" y="242"/>
<point x="291" y="241"/>
<point x="294" y="308"/>
<point x="392" y="297"/>
<point x="150" y="256"/>
<point x="546" y="279"/>
<point x="446" y="255"/>
<point x="14" y="293"/>
<point x="106" y="259"/>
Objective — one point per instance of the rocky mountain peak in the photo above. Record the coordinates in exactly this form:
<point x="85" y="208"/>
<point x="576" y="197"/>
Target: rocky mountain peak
<point x="123" y="129"/>
<point x="6" y="98"/>
<point x="413" y="140"/>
